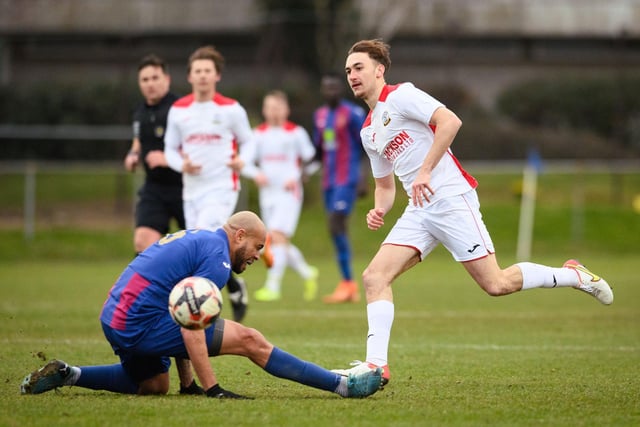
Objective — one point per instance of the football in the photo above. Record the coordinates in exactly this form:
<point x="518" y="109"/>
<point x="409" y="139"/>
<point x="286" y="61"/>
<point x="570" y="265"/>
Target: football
<point x="195" y="303"/>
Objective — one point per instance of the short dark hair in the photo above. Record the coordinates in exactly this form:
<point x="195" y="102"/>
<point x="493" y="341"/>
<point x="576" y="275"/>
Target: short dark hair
<point x="153" y="60"/>
<point x="207" y="52"/>
<point x="377" y="50"/>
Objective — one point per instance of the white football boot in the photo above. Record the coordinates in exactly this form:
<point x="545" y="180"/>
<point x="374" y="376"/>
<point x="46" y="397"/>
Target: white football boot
<point x="591" y="283"/>
<point x="362" y="367"/>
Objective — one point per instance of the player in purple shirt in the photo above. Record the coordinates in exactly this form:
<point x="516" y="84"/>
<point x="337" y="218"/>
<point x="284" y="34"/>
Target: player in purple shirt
<point x="136" y="322"/>
<point x="336" y="135"/>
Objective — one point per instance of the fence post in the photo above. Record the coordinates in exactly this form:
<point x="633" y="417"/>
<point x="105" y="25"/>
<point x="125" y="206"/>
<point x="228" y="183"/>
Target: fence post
<point x="527" y="212"/>
<point x="30" y="200"/>
<point x="577" y="205"/>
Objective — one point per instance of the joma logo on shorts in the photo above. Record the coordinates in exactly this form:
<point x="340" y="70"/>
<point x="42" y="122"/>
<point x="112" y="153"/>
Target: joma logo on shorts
<point x="397" y="145"/>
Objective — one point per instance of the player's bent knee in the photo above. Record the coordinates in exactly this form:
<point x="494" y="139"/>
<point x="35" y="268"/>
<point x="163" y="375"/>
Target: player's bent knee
<point x="146" y="391"/>
<point x="139" y="243"/>
<point x="493" y="292"/>
<point x="495" y="289"/>
<point x="337" y="224"/>
<point x="373" y="275"/>
<point x="253" y="341"/>
<point x="158" y="385"/>
<point x="144" y="237"/>
<point x="373" y="279"/>
<point x="139" y="246"/>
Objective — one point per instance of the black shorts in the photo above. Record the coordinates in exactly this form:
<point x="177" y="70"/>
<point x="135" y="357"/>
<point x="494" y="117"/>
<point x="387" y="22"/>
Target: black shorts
<point x="156" y="206"/>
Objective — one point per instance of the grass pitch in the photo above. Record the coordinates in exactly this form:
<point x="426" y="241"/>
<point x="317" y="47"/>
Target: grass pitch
<point x="458" y="357"/>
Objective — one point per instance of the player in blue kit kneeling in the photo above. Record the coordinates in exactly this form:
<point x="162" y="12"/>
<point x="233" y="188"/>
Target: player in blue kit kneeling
<point x="137" y="324"/>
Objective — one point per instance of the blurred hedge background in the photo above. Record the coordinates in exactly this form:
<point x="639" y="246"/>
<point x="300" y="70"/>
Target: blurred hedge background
<point x="561" y="76"/>
<point x="566" y="117"/>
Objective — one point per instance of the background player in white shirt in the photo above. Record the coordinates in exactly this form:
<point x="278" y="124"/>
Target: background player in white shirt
<point x="204" y="131"/>
<point x="408" y="133"/>
<point x="282" y="147"/>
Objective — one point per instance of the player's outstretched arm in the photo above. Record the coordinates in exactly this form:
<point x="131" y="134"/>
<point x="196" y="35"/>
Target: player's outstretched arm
<point x="447" y="126"/>
<point x="384" y="196"/>
<point x="172" y="141"/>
<point x="132" y="157"/>
<point x="188" y="384"/>
<point x="196" y="344"/>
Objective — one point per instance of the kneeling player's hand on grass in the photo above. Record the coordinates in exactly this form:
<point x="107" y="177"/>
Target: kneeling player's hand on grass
<point x="193" y="388"/>
<point x="218" y="392"/>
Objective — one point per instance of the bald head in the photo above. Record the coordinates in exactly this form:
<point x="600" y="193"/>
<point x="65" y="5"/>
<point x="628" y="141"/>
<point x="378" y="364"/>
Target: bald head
<point x="246" y="220"/>
<point x="246" y="233"/>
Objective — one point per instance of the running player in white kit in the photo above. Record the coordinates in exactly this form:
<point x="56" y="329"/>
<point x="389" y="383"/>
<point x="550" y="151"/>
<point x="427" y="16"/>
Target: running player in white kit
<point x="204" y="132"/>
<point x="282" y="148"/>
<point x="408" y="133"/>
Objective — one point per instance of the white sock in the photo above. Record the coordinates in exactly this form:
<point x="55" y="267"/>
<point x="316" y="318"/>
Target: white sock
<point x="380" y="315"/>
<point x="342" y="388"/>
<point x="73" y="376"/>
<point x="275" y="273"/>
<point x="296" y="260"/>
<point x="541" y="276"/>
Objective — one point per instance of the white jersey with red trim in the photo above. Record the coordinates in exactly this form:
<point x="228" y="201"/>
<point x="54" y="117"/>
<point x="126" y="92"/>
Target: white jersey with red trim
<point x="280" y="152"/>
<point x="209" y="133"/>
<point x="397" y="137"/>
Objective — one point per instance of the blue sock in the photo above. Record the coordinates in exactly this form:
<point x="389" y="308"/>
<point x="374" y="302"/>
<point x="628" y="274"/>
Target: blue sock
<point x="284" y="365"/>
<point x="107" y="377"/>
<point x="343" y="248"/>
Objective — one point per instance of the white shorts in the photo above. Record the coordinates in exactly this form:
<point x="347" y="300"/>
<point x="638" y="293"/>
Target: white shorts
<point x="210" y="211"/>
<point x="280" y="210"/>
<point x="455" y="221"/>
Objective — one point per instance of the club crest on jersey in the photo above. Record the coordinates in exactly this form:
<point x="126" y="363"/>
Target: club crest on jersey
<point x="159" y="131"/>
<point x="216" y="120"/>
<point x="385" y="118"/>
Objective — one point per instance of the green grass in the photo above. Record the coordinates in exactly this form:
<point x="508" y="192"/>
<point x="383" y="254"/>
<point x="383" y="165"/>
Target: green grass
<point x="458" y="357"/>
<point x="83" y="217"/>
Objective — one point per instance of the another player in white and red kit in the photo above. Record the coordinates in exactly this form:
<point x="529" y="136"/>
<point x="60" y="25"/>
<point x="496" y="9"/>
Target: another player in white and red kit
<point x="408" y="134"/>
<point x="207" y="137"/>
<point x="282" y="147"/>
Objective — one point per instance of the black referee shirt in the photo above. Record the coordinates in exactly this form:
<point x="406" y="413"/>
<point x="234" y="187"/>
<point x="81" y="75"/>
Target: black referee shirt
<point x="149" y="125"/>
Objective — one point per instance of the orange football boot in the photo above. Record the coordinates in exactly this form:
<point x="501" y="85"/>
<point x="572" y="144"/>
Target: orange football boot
<point x="266" y="255"/>
<point x="346" y="291"/>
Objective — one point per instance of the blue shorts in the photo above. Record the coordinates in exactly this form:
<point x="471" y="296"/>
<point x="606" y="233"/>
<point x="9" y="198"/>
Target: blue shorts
<point x="146" y="353"/>
<point x="340" y="199"/>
